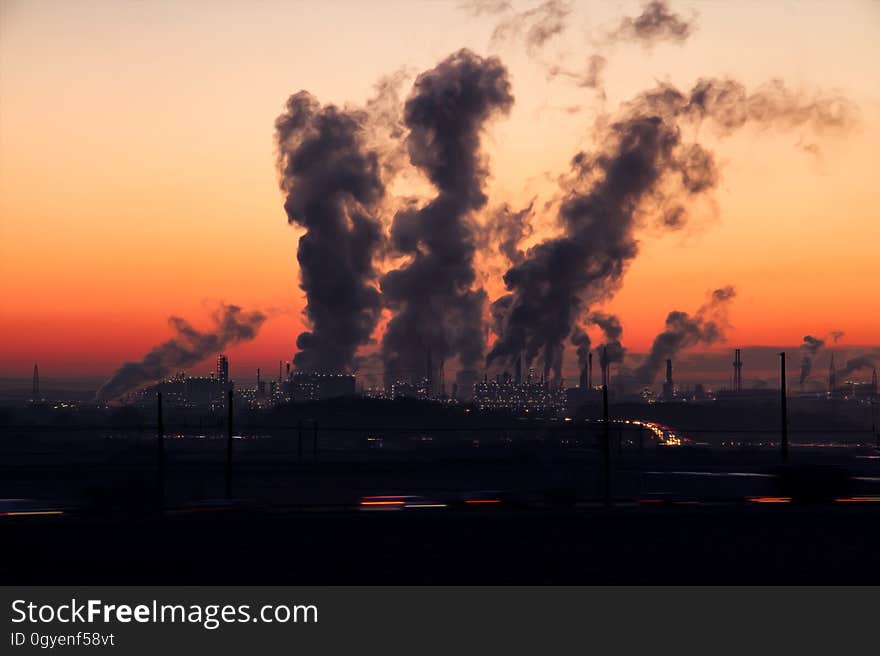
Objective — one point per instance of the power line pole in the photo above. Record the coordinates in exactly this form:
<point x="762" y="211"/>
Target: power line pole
<point x="160" y="452"/>
<point x="783" y="399"/>
<point x="229" y="445"/>
<point x="606" y="434"/>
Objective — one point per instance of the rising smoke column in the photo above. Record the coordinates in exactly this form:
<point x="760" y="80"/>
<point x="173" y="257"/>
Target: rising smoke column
<point x="509" y="227"/>
<point x="685" y="331"/>
<point x="436" y="308"/>
<point x="612" y="351"/>
<point x="656" y="23"/>
<point x="535" y="26"/>
<point x="333" y="187"/>
<point x="189" y="347"/>
<point x="809" y="349"/>
<point x="855" y="364"/>
<point x="641" y="168"/>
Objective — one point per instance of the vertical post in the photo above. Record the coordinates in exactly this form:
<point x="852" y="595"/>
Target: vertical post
<point x="299" y="441"/>
<point x="874" y="420"/>
<point x="606" y="435"/>
<point x="229" y="444"/>
<point x="160" y="452"/>
<point x="783" y="399"/>
<point x="315" y="442"/>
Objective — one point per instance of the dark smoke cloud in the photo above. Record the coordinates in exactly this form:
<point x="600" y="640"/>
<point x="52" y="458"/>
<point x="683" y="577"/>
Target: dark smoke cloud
<point x="855" y="364"/>
<point x="508" y="228"/>
<point x="641" y="169"/>
<point x="656" y="23"/>
<point x="809" y="349"/>
<point x="611" y="351"/>
<point x="729" y="106"/>
<point x="684" y="331"/>
<point x="333" y="186"/>
<point x="480" y="7"/>
<point x="588" y="78"/>
<point x="189" y="347"/>
<point x="535" y="26"/>
<point x="581" y="342"/>
<point x="436" y="307"/>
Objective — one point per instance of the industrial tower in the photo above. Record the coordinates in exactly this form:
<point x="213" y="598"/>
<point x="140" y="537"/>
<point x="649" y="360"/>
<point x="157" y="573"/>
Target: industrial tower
<point x="737" y="372"/>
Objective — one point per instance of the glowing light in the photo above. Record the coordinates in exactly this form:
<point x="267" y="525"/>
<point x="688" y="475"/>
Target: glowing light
<point x="23" y="513"/>
<point x="769" y="499"/>
<point x="482" y="500"/>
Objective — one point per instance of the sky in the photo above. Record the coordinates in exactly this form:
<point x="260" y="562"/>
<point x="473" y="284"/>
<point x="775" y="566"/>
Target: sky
<point x="138" y="176"/>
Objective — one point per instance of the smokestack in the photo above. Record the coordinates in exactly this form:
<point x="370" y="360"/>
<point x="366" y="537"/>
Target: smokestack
<point x="517" y="370"/>
<point x="737" y="372"/>
<point x="603" y="363"/>
<point x="35" y="392"/>
<point x="590" y="370"/>
<point x="583" y="381"/>
<point x="668" y="371"/>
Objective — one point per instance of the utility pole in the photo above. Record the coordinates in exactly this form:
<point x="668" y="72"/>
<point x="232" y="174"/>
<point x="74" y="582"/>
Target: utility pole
<point x="606" y="435"/>
<point x="160" y="452"/>
<point x="783" y="399"/>
<point x="229" y="445"/>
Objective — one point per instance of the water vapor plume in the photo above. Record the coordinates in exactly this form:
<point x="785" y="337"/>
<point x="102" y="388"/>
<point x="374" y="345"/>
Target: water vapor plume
<point x="535" y="26"/>
<point x="333" y="187"/>
<point x="685" y="331"/>
<point x="855" y="364"/>
<point x="809" y="348"/>
<point x="508" y="228"/>
<point x="655" y="24"/>
<point x="641" y="172"/>
<point x="187" y="348"/>
<point x="432" y="295"/>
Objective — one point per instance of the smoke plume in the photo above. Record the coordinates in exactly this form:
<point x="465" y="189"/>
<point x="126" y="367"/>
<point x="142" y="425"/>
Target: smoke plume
<point x="855" y="364"/>
<point x="641" y="169"/>
<point x="508" y="228"/>
<point x="480" y="7"/>
<point x="656" y="23"/>
<point x="809" y="349"/>
<point x="189" y="347"/>
<point x="685" y="331"/>
<point x="588" y="78"/>
<point x="333" y="187"/>
<point x="612" y="351"/>
<point x="535" y="26"/>
<point x="436" y="307"/>
<point x="581" y="341"/>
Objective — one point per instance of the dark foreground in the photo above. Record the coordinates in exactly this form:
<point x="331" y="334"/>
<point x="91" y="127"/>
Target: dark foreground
<point x="740" y="543"/>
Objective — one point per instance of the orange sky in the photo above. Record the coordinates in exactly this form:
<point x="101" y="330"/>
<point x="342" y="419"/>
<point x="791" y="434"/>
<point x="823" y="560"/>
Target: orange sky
<point x="137" y="170"/>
